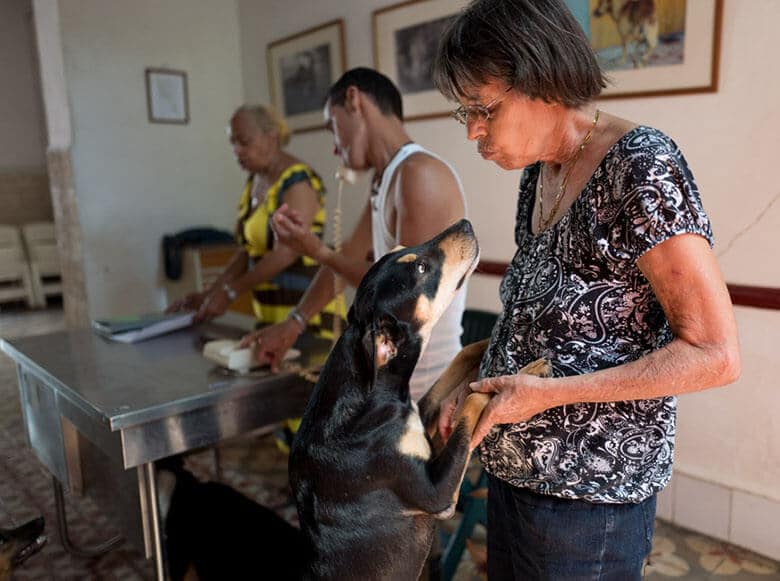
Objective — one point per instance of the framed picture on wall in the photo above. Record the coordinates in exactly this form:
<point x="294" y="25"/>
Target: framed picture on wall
<point x="166" y="96"/>
<point x="301" y="69"/>
<point x="654" y="47"/>
<point x="406" y="38"/>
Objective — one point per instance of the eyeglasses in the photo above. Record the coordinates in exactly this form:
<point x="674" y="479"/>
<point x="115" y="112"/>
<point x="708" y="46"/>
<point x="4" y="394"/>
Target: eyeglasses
<point x="481" y="113"/>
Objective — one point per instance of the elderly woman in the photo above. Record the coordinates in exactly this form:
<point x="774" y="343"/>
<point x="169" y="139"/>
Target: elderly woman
<point x="613" y="281"/>
<point x="276" y="275"/>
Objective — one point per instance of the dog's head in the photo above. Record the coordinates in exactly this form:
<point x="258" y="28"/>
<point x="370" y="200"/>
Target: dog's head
<point x="603" y="7"/>
<point x="404" y="294"/>
<point x="16" y="545"/>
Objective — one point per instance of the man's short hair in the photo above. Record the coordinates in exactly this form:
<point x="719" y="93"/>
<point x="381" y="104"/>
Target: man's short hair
<point x="374" y="84"/>
<point x="535" y="46"/>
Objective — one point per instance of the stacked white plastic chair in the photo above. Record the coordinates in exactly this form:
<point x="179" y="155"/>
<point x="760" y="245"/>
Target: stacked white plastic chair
<point x="41" y="242"/>
<point x="15" y="277"/>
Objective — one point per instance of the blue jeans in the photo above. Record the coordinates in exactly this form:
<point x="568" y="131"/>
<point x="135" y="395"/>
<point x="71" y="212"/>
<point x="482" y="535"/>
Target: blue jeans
<point x="535" y="537"/>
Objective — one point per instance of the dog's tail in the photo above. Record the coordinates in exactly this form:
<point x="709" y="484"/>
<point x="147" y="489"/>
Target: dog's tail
<point x="175" y="465"/>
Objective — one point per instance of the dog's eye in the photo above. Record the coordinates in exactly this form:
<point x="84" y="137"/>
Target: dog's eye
<point x="422" y="267"/>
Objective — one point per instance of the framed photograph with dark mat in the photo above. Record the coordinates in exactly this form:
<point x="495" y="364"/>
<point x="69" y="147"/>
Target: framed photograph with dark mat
<point x="301" y="69"/>
<point x="406" y="38"/>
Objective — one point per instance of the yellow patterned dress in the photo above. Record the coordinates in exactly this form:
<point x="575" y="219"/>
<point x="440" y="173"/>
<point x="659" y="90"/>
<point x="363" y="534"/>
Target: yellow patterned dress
<point x="272" y="300"/>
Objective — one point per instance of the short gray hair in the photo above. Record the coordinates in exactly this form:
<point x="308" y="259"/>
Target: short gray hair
<point x="535" y="46"/>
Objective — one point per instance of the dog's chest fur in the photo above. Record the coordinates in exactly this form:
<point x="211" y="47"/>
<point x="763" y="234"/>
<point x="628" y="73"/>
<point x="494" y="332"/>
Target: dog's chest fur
<point x="348" y="506"/>
<point x="414" y="441"/>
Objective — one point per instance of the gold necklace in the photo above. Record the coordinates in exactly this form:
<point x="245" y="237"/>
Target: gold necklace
<point x="543" y="223"/>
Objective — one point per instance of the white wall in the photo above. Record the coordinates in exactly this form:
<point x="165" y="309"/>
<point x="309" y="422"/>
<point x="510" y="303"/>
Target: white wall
<point x="22" y="128"/>
<point x="136" y="181"/>
<point x="731" y="139"/>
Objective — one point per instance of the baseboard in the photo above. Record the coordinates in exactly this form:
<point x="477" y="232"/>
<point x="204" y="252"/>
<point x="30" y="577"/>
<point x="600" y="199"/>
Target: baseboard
<point x="738" y="517"/>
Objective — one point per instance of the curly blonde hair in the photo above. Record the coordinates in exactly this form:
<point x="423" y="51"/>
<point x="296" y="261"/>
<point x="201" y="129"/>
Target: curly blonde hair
<point x="267" y="120"/>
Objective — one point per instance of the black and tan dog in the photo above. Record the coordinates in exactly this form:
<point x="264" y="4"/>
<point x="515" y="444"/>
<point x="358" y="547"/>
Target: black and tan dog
<point x="367" y="481"/>
<point x="19" y="544"/>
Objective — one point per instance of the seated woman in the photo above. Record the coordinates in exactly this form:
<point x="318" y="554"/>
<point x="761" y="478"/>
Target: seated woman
<point x="276" y="275"/>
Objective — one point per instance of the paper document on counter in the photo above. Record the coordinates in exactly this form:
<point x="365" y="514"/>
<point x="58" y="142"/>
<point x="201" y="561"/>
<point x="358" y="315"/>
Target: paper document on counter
<point x="140" y="327"/>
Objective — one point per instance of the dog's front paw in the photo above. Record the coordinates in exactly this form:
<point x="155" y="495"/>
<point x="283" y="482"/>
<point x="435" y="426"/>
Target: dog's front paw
<point x="445" y="514"/>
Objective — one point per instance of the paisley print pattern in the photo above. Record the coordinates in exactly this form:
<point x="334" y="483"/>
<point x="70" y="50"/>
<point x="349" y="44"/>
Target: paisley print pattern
<point x="574" y="294"/>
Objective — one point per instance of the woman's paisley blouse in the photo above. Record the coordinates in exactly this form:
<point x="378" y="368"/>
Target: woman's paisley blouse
<point x="574" y="295"/>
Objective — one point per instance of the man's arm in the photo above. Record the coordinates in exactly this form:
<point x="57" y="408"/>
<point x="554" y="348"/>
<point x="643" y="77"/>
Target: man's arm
<point x="271" y="343"/>
<point x="704" y="353"/>
<point x="350" y="263"/>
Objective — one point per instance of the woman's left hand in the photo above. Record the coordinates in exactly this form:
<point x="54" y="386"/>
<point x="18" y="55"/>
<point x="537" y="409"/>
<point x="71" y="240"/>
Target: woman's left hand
<point x="290" y="231"/>
<point x="516" y="398"/>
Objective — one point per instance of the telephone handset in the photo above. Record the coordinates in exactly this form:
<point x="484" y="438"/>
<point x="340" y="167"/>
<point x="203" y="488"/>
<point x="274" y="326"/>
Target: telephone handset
<point x="343" y="175"/>
<point x="346" y="174"/>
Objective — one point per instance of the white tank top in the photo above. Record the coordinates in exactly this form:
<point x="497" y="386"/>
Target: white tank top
<point x="445" y="337"/>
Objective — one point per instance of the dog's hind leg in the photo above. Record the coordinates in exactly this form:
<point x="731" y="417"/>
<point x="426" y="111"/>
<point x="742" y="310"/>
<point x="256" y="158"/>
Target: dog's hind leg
<point x="461" y="371"/>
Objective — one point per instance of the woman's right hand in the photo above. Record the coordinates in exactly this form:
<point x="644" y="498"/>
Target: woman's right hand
<point x="192" y="302"/>
<point x="270" y="344"/>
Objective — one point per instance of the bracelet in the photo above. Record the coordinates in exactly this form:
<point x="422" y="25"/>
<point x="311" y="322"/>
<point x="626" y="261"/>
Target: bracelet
<point x="298" y="317"/>
<point x="230" y="292"/>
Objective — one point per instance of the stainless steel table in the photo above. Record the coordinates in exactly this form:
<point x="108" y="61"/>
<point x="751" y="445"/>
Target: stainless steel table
<point x="98" y="413"/>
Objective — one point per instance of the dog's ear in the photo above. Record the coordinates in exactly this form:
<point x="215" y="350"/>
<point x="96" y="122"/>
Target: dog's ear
<point x="381" y="340"/>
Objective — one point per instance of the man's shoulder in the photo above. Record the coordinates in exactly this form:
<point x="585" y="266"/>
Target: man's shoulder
<point x="424" y="164"/>
<point x="422" y="158"/>
<point x="425" y="179"/>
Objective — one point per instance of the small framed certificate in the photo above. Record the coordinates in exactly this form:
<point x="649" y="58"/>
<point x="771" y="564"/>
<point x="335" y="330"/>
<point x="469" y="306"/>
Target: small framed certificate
<point x="166" y="96"/>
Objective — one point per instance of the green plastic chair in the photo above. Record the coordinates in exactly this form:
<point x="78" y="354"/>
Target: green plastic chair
<point x="477" y="325"/>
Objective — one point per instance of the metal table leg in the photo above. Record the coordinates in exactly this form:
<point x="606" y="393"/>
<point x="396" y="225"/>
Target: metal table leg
<point x="62" y="527"/>
<point x="151" y="491"/>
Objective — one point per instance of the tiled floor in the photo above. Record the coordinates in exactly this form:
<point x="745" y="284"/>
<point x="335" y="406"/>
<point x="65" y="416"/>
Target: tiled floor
<point x="258" y="469"/>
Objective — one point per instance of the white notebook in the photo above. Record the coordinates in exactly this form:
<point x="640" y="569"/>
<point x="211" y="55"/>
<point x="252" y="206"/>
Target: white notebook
<point x="150" y="327"/>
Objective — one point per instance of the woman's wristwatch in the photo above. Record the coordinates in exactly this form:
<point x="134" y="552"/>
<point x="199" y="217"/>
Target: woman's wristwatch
<point x="298" y="317"/>
<point x="230" y="292"/>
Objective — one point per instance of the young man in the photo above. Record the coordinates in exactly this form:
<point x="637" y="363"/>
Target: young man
<point x="414" y="196"/>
